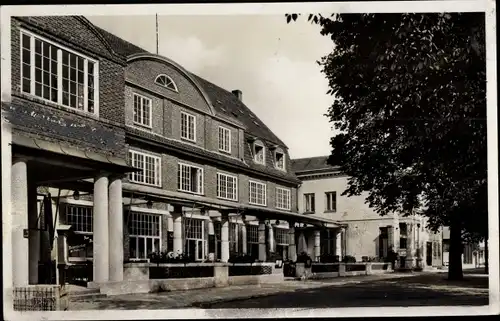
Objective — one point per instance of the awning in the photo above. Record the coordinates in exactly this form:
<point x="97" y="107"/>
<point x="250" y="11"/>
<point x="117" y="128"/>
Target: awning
<point x="119" y="164"/>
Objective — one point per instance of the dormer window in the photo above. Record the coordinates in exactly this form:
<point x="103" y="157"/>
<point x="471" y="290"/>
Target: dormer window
<point x="259" y="152"/>
<point x="167" y="82"/>
<point x="279" y="159"/>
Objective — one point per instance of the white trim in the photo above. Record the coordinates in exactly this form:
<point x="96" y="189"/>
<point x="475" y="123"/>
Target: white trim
<point x="71" y="201"/>
<point x="264" y="189"/>
<point x="224" y="130"/>
<point x="187" y="126"/>
<point x="150" y="105"/>
<point x="145" y="237"/>
<point x="169" y="78"/>
<point x="59" y="47"/>
<point x="137" y="209"/>
<point x="235" y="186"/>
<point x="157" y="170"/>
<point x="289" y="192"/>
<point x="179" y="184"/>
<point x="276" y="160"/>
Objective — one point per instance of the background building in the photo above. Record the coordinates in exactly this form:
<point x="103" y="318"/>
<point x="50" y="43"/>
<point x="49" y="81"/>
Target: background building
<point x="368" y="236"/>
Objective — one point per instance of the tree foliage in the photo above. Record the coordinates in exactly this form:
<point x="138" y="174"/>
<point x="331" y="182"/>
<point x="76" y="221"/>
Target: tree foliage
<point x="409" y="100"/>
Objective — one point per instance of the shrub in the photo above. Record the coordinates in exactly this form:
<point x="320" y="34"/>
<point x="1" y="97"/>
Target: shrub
<point x="241" y="258"/>
<point x="273" y="257"/>
<point x="303" y="257"/>
<point x="349" y="259"/>
<point x="329" y="258"/>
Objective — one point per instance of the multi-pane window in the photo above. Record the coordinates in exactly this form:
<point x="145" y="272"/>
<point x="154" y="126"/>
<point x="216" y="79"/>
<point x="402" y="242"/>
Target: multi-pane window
<point x="283" y="198"/>
<point x="403" y="235"/>
<point x="150" y="166"/>
<point x="331" y="201"/>
<point x="190" y="179"/>
<point x="80" y="218"/>
<point x="259" y="153"/>
<point x="257" y="193"/>
<point x="195" y="239"/>
<point x="328" y="241"/>
<point x="188" y="126"/>
<point x="59" y="75"/>
<point x="144" y="234"/>
<point x="224" y="139"/>
<point x="142" y="110"/>
<point x="227" y="186"/>
<point x="309" y="203"/>
<point x="281" y="236"/>
<point x="279" y="160"/>
<point x="253" y="240"/>
<point x="166" y="81"/>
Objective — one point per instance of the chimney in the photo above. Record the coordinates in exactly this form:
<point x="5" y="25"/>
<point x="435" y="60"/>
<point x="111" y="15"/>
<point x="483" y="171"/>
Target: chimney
<point x="238" y="93"/>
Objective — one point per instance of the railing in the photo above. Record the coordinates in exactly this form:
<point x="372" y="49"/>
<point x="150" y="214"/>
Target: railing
<point x="180" y="271"/>
<point x="40" y="298"/>
<point x="324" y="267"/>
<point x="249" y="269"/>
<point x="355" y="267"/>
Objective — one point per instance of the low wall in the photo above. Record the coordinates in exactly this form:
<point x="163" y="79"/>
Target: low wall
<point x="332" y="270"/>
<point x="40" y="298"/>
<point x="163" y="277"/>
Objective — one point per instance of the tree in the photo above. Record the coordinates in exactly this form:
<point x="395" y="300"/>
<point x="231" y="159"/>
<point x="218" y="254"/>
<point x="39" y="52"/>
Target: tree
<point x="410" y="104"/>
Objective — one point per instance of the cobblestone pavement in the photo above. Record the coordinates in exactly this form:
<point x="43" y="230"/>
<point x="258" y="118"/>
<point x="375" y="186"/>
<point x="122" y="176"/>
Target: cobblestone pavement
<point x="198" y="298"/>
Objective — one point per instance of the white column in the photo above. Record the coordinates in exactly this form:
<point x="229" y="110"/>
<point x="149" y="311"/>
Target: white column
<point x="101" y="229"/>
<point x="262" y="241"/>
<point x="270" y="239"/>
<point x="244" y="238"/>
<point x="34" y="233"/>
<point x="7" y="207"/>
<point x="338" y="244"/>
<point x="177" y="221"/>
<point x="292" y="248"/>
<point x="224" y="237"/>
<point x="20" y="247"/>
<point x="115" y="230"/>
<point x="317" y="244"/>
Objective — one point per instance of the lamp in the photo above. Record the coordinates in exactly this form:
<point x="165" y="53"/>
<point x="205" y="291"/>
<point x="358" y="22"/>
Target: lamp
<point x="277" y="222"/>
<point x="76" y="195"/>
<point x="149" y="204"/>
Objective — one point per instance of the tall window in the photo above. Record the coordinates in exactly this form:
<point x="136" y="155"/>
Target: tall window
<point x="281" y="236"/>
<point x="403" y="235"/>
<point x="150" y="166"/>
<point x="190" y="179"/>
<point x="283" y="198"/>
<point x="144" y="230"/>
<point x="328" y="241"/>
<point x="331" y="201"/>
<point x="224" y="139"/>
<point x="259" y="153"/>
<point x="309" y="203"/>
<point x="279" y="160"/>
<point x="227" y="186"/>
<point x="253" y="240"/>
<point x="188" y="126"/>
<point x="56" y="74"/>
<point x="257" y="193"/>
<point x="166" y="81"/>
<point x="142" y="110"/>
<point x="195" y="238"/>
<point x="80" y="246"/>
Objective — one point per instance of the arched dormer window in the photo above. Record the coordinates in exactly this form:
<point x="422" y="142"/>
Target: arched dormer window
<point x="166" y="81"/>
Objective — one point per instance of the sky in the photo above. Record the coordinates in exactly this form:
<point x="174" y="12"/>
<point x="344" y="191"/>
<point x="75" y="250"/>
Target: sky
<point x="273" y="63"/>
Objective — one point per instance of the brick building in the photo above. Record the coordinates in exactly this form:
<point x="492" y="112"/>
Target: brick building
<point x="129" y="153"/>
<point x="365" y="234"/>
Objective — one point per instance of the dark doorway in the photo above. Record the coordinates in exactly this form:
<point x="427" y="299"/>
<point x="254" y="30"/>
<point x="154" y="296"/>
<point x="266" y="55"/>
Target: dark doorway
<point x="428" y="254"/>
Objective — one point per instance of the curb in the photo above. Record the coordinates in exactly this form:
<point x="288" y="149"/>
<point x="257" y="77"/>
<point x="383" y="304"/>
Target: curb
<point x="207" y="304"/>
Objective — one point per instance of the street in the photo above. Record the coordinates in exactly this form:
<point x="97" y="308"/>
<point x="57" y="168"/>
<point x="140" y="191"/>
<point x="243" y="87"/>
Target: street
<point x="420" y="290"/>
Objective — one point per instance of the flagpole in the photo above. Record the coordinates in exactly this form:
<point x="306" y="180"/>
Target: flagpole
<point x="157" y="43"/>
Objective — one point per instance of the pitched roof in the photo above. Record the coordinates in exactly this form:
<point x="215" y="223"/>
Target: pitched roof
<point x="225" y="102"/>
<point x="300" y="165"/>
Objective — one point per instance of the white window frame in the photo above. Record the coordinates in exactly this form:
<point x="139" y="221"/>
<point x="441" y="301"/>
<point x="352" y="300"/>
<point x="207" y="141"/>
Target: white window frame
<point x="89" y="208"/>
<point x="199" y="241"/>
<point x="255" y="144"/>
<point x="276" y="160"/>
<point x="188" y="116"/>
<point x="311" y="199"/>
<point x="201" y="176"/>
<point x="143" y="236"/>
<point x="224" y="146"/>
<point x="235" y="187"/>
<point x="264" y="189"/>
<point x="133" y="177"/>
<point x="285" y="193"/>
<point x="59" y="85"/>
<point x="327" y="196"/>
<point x="281" y="234"/>
<point x="166" y="85"/>
<point x="142" y="99"/>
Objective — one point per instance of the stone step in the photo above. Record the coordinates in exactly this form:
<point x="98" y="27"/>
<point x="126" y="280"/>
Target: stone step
<point x="86" y="294"/>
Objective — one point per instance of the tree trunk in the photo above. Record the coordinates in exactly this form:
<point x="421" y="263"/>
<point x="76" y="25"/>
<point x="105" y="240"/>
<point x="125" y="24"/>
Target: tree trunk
<point x="455" y="260"/>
